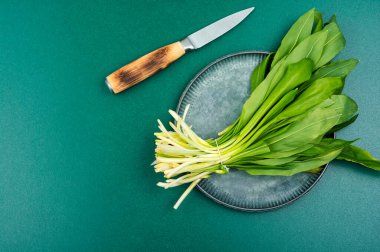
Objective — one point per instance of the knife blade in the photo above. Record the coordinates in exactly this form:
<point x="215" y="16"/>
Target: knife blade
<point x="147" y="65"/>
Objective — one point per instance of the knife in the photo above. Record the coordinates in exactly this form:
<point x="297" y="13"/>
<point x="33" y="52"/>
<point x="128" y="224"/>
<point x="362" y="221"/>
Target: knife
<point x="144" y="67"/>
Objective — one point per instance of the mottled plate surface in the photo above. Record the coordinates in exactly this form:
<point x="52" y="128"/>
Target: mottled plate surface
<point x="216" y="96"/>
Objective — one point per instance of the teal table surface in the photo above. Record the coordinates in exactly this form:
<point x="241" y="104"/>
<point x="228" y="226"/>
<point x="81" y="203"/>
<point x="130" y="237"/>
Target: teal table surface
<point x="75" y="170"/>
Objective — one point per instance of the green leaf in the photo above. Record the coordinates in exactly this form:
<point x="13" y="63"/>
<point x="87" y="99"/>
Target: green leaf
<point x="332" y="19"/>
<point x="317" y="92"/>
<point x="343" y="125"/>
<point x="295" y="74"/>
<point x="307" y="130"/>
<point x="279" y="106"/>
<point x="250" y="153"/>
<point x="314" y="162"/>
<point x="258" y="75"/>
<point x="298" y="32"/>
<point x="274" y="161"/>
<point x="311" y="47"/>
<point x="295" y="117"/>
<point x="287" y="153"/>
<point x="345" y="106"/>
<point x="315" y="170"/>
<point x="357" y="155"/>
<point x="248" y="163"/>
<point x="335" y="42"/>
<point x="293" y="167"/>
<point x="258" y="96"/>
<point x="324" y="146"/>
<point x="340" y="68"/>
<point x="318" y="22"/>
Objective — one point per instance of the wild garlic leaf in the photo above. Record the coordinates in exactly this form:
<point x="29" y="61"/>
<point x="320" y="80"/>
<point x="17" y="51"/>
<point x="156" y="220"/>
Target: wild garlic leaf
<point x="250" y="153"/>
<point x="324" y="146"/>
<point x="279" y="106"/>
<point x="312" y="163"/>
<point x="335" y="42"/>
<point x="315" y="170"/>
<point x="280" y="97"/>
<point x="266" y="122"/>
<point x="340" y="68"/>
<point x="307" y="130"/>
<point x="319" y="90"/>
<point x="332" y="19"/>
<point x="295" y="74"/>
<point x="258" y="96"/>
<point x="357" y="155"/>
<point x="318" y="21"/>
<point x="298" y="32"/>
<point x="262" y="162"/>
<point x="344" y="124"/>
<point x="311" y="47"/>
<point x="292" y="168"/>
<point x="345" y="106"/>
<point x="286" y="153"/>
<point x="274" y="161"/>
<point x="260" y="72"/>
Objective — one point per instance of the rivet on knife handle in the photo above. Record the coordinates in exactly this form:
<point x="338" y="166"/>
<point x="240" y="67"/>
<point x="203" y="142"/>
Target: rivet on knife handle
<point x="144" y="67"/>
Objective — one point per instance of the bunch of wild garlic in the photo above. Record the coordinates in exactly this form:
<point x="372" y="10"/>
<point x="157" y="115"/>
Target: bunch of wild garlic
<point x="296" y="101"/>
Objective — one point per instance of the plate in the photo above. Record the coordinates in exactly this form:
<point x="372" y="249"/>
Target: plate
<point x="216" y="96"/>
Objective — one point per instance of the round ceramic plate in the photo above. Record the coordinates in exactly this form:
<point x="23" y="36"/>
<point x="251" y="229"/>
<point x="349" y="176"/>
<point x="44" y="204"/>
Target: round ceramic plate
<point x="216" y="96"/>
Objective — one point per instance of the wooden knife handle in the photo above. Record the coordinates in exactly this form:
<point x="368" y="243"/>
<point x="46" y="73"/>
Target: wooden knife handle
<point x="144" y="67"/>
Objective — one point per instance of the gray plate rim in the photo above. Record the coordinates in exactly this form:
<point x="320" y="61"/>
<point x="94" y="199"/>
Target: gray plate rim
<point x="265" y="209"/>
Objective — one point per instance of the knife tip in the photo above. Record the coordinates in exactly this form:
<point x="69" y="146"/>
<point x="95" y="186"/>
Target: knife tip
<point x="250" y="9"/>
<point x="247" y="11"/>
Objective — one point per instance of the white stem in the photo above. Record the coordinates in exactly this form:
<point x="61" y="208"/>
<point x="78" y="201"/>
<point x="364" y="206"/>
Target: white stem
<point x="164" y="130"/>
<point x="187" y="129"/>
<point x="161" y="184"/>
<point x="185" y="193"/>
<point x="199" y="176"/>
<point x="170" y="141"/>
<point x="184" y="159"/>
<point x="190" y="140"/>
<point x="184" y="114"/>
<point x="170" y="173"/>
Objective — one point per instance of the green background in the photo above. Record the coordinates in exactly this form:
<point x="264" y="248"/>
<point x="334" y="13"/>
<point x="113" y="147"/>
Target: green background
<point x="74" y="159"/>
